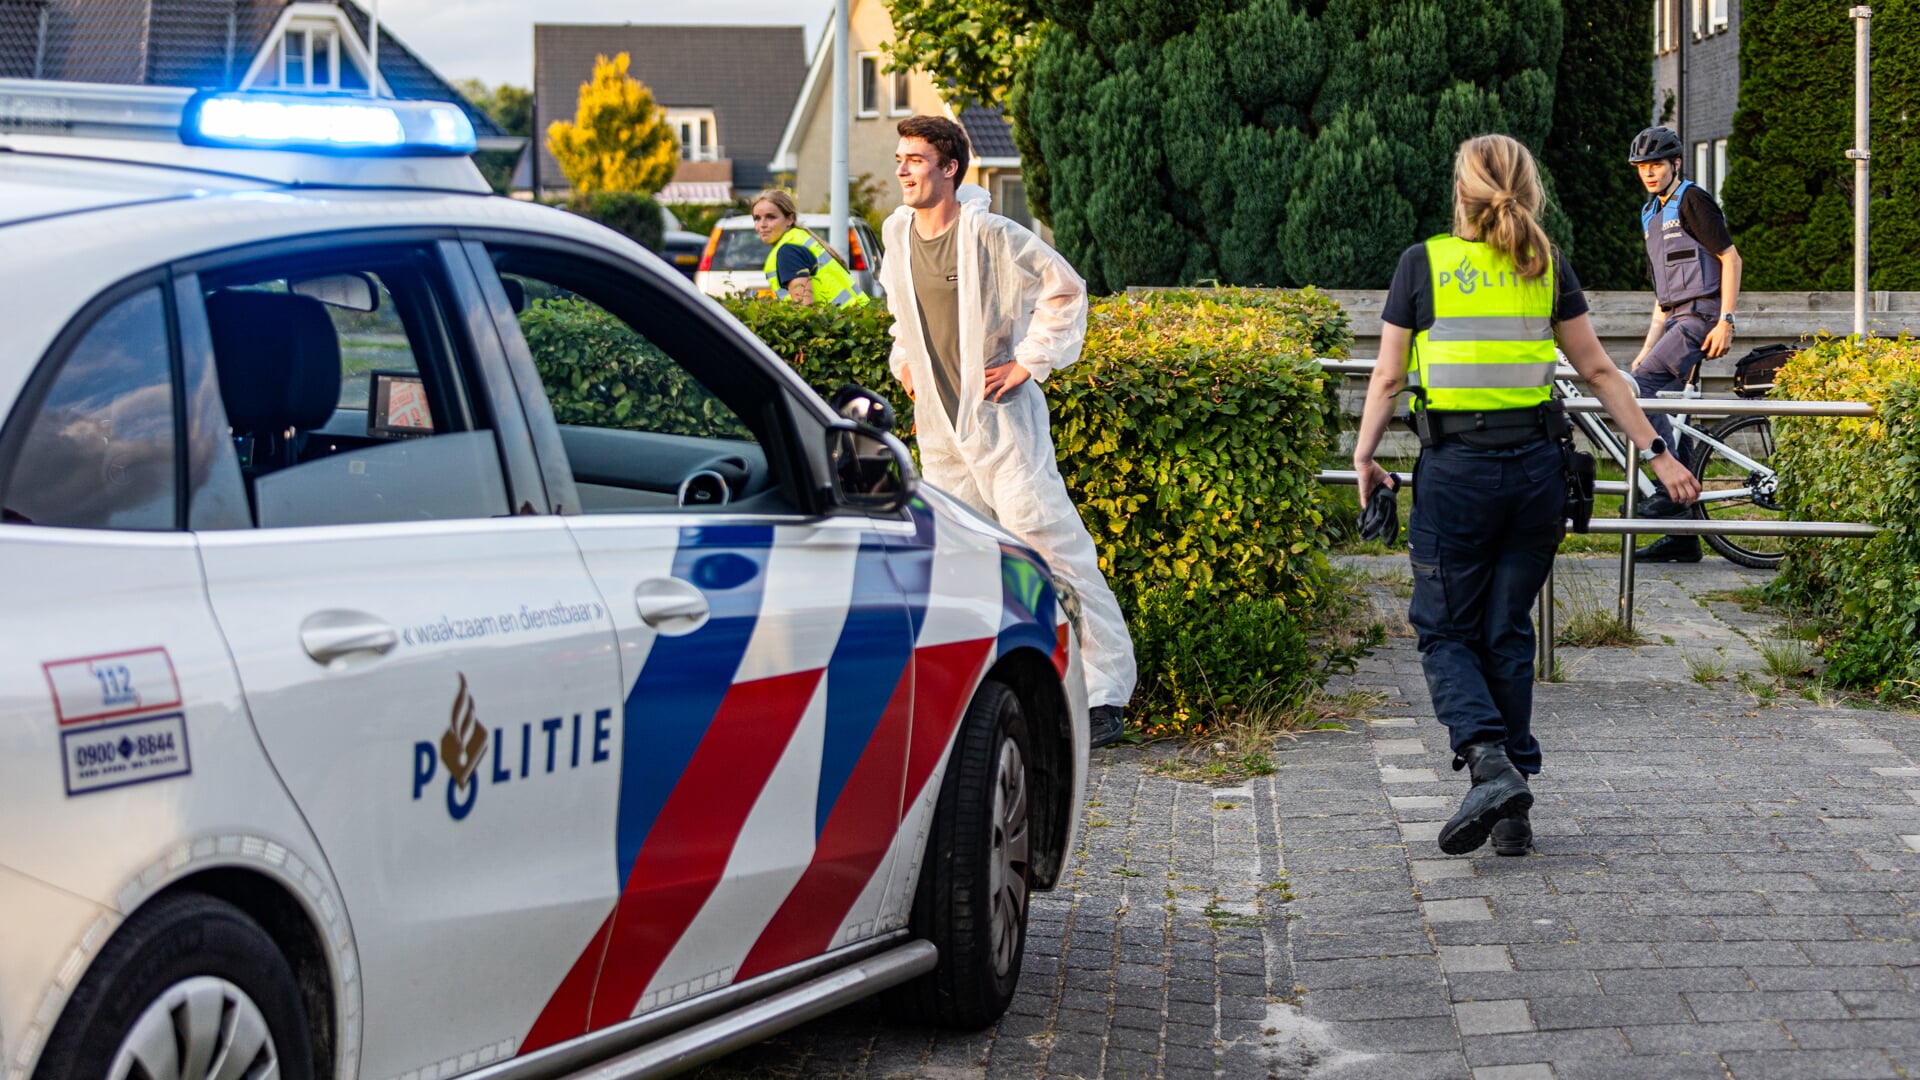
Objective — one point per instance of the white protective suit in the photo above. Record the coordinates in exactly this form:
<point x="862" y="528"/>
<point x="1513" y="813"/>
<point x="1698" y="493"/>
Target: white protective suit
<point x="1020" y="302"/>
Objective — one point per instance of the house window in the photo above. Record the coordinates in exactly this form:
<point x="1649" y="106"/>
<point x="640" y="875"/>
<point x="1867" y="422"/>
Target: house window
<point x="698" y="134"/>
<point x="1716" y="15"/>
<point x="1703" y="165"/>
<point x="310" y="57"/>
<point x="869" y="100"/>
<point x="1011" y="200"/>
<point x="1719" y="167"/>
<point x="1666" y="26"/>
<point x="902" y="89"/>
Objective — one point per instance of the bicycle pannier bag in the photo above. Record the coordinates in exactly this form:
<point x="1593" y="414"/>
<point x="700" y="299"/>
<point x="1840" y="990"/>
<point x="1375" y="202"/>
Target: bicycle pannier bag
<point x="1753" y="373"/>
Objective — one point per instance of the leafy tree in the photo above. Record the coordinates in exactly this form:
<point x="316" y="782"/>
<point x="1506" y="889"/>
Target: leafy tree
<point x="1274" y="141"/>
<point x="1789" y="187"/>
<point x="1605" y="96"/>
<point x="619" y="139"/>
<point x="510" y="107"/>
<point x="975" y="48"/>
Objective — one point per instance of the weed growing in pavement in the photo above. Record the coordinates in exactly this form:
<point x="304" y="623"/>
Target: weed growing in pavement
<point x="1787" y="657"/>
<point x="1219" y="917"/>
<point x="1125" y="871"/>
<point x="1706" y="668"/>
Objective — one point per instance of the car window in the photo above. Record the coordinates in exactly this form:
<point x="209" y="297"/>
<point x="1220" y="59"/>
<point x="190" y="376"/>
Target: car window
<point x="740" y="249"/>
<point x="600" y="372"/>
<point x="658" y="408"/>
<point x="101" y="451"/>
<point x="345" y="387"/>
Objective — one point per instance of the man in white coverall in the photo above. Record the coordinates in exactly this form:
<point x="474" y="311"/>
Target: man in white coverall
<point x="983" y="311"/>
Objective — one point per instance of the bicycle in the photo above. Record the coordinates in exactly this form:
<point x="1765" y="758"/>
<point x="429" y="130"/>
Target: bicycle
<point x="1732" y="461"/>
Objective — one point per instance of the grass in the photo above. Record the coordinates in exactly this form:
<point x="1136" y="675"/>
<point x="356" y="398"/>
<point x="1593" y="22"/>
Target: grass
<point x="1706" y="667"/>
<point x="1786" y="657"/>
<point x="1591" y="628"/>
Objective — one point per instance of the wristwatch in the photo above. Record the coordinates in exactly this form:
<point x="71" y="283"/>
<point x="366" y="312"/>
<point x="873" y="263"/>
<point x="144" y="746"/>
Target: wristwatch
<point x="1727" y="317"/>
<point x="1654" y="449"/>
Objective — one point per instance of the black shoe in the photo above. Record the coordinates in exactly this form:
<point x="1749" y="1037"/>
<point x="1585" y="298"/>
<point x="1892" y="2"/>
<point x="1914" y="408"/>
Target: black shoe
<point x="1513" y="836"/>
<point x="1106" y="723"/>
<point x="1660" y="505"/>
<point x="1499" y="792"/>
<point x="1678" y="549"/>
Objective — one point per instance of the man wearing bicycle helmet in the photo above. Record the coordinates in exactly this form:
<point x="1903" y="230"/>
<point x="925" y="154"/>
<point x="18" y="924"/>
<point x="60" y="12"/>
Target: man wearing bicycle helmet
<point x="1696" y="282"/>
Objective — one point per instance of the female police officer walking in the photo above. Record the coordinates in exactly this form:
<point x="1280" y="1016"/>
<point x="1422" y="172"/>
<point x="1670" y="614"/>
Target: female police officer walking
<point x="1484" y="306"/>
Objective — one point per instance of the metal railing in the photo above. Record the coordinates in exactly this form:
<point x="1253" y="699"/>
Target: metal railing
<point x="1628" y="526"/>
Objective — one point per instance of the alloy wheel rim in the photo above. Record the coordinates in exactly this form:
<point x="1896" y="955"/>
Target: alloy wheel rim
<point x="202" y="1028"/>
<point x="1007" y="870"/>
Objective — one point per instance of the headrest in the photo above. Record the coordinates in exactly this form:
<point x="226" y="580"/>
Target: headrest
<point x="278" y="358"/>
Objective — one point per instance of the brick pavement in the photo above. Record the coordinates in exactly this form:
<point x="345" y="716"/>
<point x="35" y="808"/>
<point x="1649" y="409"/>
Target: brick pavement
<point x="1725" y="887"/>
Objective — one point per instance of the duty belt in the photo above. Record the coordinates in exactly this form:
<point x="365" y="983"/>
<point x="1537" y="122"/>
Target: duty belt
<point x="1488" y="430"/>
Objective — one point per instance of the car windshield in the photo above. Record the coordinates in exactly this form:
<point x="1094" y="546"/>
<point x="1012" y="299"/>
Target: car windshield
<point x="740" y="249"/>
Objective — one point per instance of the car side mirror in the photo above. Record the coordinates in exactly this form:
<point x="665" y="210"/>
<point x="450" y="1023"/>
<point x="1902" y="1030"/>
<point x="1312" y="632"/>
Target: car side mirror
<point x="872" y="470"/>
<point x="863" y="406"/>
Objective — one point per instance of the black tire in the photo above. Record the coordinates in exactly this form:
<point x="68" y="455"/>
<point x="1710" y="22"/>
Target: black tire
<point x="1752" y="436"/>
<point x="980" y="932"/>
<point x="163" y="946"/>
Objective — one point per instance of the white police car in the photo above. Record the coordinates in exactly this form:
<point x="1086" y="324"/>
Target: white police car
<point x="359" y="718"/>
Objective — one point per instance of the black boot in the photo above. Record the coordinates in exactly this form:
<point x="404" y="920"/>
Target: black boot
<point x="1660" y="505"/>
<point x="1105" y="724"/>
<point x="1678" y="549"/>
<point x="1499" y="791"/>
<point x="1513" y="836"/>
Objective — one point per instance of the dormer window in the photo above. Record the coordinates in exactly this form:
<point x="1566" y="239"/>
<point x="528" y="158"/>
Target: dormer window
<point x="313" y="48"/>
<point x="310" y="58"/>
<point x="699" y="135"/>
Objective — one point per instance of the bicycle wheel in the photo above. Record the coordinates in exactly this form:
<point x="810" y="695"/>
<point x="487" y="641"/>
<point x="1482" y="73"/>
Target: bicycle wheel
<point x="1754" y="492"/>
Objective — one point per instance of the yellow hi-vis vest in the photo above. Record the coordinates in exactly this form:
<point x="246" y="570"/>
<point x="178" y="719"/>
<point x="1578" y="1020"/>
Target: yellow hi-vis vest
<point x="831" y="282"/>
<point x="1491" y="343"/>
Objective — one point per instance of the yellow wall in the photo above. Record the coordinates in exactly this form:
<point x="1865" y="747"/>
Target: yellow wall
<point x="870" y="140"/>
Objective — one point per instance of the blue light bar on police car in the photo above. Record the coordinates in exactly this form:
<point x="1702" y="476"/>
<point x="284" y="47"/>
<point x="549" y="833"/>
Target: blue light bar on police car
<point x="327" y="124"/>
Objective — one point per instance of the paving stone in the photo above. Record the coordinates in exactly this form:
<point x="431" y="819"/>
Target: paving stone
<point x="1425" y="870"/>
<point x="1809" y="1064"/>
<point x="1459" y="958"/>
<point x="1706" y="1038"/>
<point x="1662" y="1067"/>
<point x="1534" y="1071"/>
<point x="1375" y="1004"/>
<point x="1420" y="1033"/>
<point x="1608" y="1010"/>
<point x="1468" y="910"/>
<point x="1492" y="1017"/>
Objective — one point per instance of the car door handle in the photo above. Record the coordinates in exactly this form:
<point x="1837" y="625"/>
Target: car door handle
<point x="335" y="636"/>
<point x="671" y="606"/>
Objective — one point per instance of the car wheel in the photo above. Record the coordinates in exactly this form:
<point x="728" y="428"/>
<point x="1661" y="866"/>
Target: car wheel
<point x="189" y="988"/>
<point x="972" y="896"/>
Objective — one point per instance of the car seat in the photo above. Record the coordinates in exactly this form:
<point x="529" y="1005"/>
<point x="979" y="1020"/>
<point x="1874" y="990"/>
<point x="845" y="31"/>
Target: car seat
<point x="278" y="358"/>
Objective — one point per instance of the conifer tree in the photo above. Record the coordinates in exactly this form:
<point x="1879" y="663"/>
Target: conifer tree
<point x="1789" y="187"/>
<point x="1604" y="97"/>
<point x="1274" y="142"/>
<point x="619" y="139"/>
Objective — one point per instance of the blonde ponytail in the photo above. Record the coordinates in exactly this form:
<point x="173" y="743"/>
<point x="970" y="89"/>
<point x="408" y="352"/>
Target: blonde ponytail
<point x="1497" y="199"/>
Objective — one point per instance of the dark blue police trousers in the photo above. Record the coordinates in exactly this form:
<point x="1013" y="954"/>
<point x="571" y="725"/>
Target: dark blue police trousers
<point x="1485" y="527"/>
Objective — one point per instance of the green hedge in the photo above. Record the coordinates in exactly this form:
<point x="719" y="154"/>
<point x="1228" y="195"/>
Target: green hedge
<point x="1189" y="435"/>
<point x="1864" y="593"/>
<point x="599" y="373"/>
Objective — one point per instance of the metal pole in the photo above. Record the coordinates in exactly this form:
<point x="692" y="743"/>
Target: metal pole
<point x="1861" y="16"/>
<point x="837" y="182"/>
<point x="1543" y="644"/>
<point x="373" y="53"/>
<point x="1626" y="539"/>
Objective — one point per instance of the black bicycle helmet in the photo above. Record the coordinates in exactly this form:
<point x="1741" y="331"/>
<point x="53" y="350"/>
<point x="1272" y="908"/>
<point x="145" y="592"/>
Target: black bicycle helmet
<point x="1381" y="518"/>
<point x="1655" y="144"/>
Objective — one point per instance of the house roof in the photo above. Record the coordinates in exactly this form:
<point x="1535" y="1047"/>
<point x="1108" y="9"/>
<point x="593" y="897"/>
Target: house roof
<point x="987" y="131"/>
<point x="990" y="134"/>
<point x="748" y="76"/>
<point x="187" y="43"/>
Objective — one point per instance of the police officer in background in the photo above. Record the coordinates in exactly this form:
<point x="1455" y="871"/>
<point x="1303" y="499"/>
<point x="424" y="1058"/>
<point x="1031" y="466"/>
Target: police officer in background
<point x="1483" y="307"/>
<point x="802" y="268"/>
<point x="1696" y="282"/>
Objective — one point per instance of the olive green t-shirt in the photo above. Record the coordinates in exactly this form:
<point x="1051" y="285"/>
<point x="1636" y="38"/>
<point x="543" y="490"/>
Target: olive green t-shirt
<point x="936" y="290"/>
